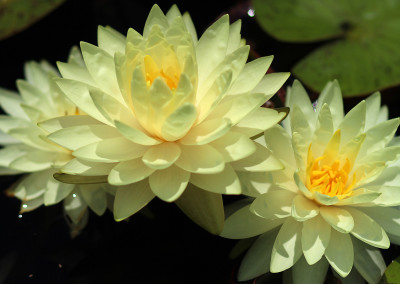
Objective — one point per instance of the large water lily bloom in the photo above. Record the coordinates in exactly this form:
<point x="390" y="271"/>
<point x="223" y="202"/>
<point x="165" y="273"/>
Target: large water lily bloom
<point x="335" y="202"/>
<point x="169" y="114"/>
<point x="27" y="150"/>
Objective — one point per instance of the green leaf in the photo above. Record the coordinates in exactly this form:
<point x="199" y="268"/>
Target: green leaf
<point x="365" y="35"/>
<point x="16" y="15"/>
<point x="392" y="273"/>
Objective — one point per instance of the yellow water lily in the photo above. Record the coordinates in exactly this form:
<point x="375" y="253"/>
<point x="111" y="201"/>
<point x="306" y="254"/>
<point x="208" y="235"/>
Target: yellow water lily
<point x="335" y="203"/>
<point x="168" y="113"/>
<point x="27" y="150"/>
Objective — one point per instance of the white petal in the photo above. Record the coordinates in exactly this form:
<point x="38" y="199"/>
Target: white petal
<point x="305" y="273"/>
<point x="273" y="204"/>
<point x="203" y="159"/>
<point x="131" y="198"/>
<point x="225" y="182"/>
<point x="169" y="184"/>
<point x="367" y="230"/>
<point x="129" y="172"/>
<point x="245" y="224"/>
<point x="287" y="246"/>
<point x="339" y="253"/>
<point x="258" y="258"/>
<point x="340" y="219"/>
<point x="368" y="261"/>
<point x="315" y="238"/>
<point x="161" y="156"/>
<point x="202" y="207"/>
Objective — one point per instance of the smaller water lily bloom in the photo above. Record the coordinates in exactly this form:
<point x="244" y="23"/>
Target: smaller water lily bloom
<point x="26" y="150"/>
<point x="335" y="203"/>
<point x="168" y="113"/>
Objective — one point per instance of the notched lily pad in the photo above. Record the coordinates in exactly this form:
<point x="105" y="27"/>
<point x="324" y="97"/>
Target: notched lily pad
<point x="16" y="15"/>
<point x="364" y="39"/>
<point x="392" y="273"/>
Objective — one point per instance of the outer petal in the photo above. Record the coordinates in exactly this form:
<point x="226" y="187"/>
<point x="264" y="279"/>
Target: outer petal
<point x="204" y="208"/>
<point x="273" y="204"/>
<point x="206" y="132"/>
<point x="339" y="253"/>
<point x="129" y="172"/>
<point x="95" y="197"/>
<point x="161" y="156"/>
<point x="244" y="224"/>
<point x="202" y="159"/>
<point x="258" y="258"/>
<point x="234" y="146"/>
<point x="225" y="182"/>
<point x="303" y="208"/>
<point x="256" y="70"/>
<point x="131" y="198"/>
<point x="259" y="120"/>
<point x="315" y="238"/>
<point x="56" y="191"/>
<point x="280" y="143"/>
<point x="168" y="184"/>
<point x="84" y="168"/>
<point x="368" y="261"/>
<point x="111" y="150"/>
<point x="287" y="246"/>
<point x="261" y="160"/>
<point x="340" y="219"/>
<point x="332" y="96"/>
<point x="388" y="218"/>
<point x="367" y="230"/>
<point x="305" y="273"/>
<point x="78" y="136"/>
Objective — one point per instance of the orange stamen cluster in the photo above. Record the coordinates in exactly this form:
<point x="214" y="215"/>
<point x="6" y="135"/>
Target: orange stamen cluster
<point x="329" y="178"/>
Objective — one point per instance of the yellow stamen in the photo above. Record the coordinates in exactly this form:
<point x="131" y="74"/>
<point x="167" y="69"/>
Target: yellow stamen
<point x="153" y="71"/>
<point x="329" y="179"/>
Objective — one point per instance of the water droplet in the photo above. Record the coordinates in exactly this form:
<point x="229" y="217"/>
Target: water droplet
<point x="251" y="12"/>
<point x="24" y="206"/>
<point x="74" y="195"/>
<point x="20" y="216"/>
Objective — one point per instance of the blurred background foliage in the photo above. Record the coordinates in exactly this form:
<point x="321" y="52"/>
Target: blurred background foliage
<point x="355" y="41"/>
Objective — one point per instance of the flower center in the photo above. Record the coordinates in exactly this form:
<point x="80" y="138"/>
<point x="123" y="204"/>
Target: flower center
<point x="152" y="70"/>
<point x="329" y="179"/>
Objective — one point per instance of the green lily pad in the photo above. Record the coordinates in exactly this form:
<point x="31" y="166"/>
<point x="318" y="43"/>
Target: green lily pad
<point x="363" y="51"/>
<point x="16" y="15"/>
<point x="392" y="273"/>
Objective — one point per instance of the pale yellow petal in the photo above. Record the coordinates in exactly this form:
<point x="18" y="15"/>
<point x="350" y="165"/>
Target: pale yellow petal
<point x="273" y="204"/>
<point x="129" y="199"/>
<point x="340" y="253"/>
<point x="287" y="247"/>
<point x="204" y="208"/>
<point x="234" y="146"/>
<point x="303" y="208"/>
<point x="261" y="160"/>
<point x="315" y="238"/>
<point x="367" y="230"/>
<point x="206" y="132"/>
<point x="111" y="150"/>
<point x="129" y="172"/>
<point x="340" y="219"/>
<point x="225" y="182"/>
<point x="161" y="156"/>
<point x="169" y="184"/>
<point x="202" y="159"/>
<point x="245" y="224"/>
